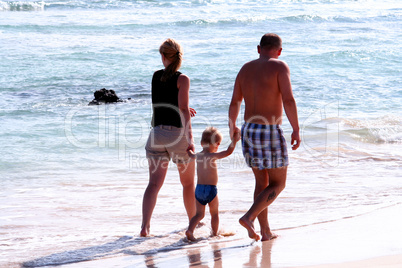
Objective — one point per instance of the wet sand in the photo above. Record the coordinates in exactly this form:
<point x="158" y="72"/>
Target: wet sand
<point x="369" y="240"/>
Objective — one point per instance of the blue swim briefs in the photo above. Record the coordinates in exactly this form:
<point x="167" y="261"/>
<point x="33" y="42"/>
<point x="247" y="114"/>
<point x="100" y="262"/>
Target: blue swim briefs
<point x="205" y="193"/>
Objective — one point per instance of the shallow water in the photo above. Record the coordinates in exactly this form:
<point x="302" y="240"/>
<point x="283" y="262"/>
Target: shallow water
<point x="73" y="175"/>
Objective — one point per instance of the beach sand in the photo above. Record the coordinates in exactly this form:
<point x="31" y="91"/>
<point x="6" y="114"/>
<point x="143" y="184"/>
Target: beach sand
<point x="383" y="262"/>
<point x="369" y="240"/>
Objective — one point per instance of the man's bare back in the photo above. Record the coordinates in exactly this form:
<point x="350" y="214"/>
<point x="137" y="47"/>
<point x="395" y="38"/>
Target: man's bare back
<point x="258" y="83"/>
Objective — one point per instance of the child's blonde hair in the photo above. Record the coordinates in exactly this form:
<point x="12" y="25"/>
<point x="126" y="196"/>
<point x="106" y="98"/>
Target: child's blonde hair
<point x="211" y="135"/>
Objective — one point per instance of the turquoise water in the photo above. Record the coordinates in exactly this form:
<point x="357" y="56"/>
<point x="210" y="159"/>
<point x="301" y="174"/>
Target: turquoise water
<point x="78" y="171"/>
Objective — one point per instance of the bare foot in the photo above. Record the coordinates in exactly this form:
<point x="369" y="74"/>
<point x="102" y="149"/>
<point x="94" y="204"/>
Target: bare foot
<point x="250" y="228"/>
<point x="190" y="236"/>
<point x="144" y="232"/>
<point x="269" y="236"/>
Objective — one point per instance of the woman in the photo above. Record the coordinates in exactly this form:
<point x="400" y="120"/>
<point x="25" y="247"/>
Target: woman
<point x="171" y="135"/>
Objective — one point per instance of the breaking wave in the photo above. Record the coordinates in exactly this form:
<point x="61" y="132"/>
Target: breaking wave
<point x="22" y="6"/>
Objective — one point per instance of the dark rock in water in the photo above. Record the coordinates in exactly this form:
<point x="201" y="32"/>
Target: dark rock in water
<point x="103" y="96"/>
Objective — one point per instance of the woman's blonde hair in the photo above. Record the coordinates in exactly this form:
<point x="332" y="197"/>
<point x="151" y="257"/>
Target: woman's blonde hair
<point x="173" y="52"/>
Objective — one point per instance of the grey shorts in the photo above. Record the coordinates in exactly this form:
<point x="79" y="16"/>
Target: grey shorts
<point x="167" y="142"/>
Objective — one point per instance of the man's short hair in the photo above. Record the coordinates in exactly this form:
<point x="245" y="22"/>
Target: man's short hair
<point x="211" y="135"/>
<point x="271" y="41"/>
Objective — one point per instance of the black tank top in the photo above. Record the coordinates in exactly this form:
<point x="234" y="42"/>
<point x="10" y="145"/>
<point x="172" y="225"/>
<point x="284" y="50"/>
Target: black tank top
<point x="165" y="101"/>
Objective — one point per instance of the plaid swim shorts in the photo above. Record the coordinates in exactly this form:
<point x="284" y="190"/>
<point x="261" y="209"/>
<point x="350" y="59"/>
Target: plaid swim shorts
<point x="264" y="146"/>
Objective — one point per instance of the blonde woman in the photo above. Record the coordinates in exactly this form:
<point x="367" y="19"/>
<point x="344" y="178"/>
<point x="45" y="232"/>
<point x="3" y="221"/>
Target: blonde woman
<point x="171" y="135"/>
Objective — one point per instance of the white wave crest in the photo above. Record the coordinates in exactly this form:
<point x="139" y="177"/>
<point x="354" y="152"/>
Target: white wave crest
<point x="21" y="6"/>
<point x="386" y="129"/>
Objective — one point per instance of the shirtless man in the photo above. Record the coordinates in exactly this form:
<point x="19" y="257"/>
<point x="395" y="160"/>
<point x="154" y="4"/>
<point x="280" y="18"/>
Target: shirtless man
<point x="265" y="86"/>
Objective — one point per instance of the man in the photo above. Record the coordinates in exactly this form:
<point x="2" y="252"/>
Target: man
<point x="265" y="86"/>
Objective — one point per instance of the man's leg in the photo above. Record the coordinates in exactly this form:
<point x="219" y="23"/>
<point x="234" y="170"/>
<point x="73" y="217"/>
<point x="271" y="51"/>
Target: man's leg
<point x="187" y="173"/>
<point x="261" y="182"/>
<point x="157" y="174"/>
<point x="277" y="182"/>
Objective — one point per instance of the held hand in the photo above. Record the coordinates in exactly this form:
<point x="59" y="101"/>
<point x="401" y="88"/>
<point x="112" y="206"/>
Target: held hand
<point x="236" y="136"/>
<point x="295" y="140"/>
<point x="235" y="133"/>
<point x="190" y="148"/>
<point x="192" y="112"/>
<point x="190" y="153"/>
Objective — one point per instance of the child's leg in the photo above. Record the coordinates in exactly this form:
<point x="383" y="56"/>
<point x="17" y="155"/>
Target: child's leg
<point x="199" y="215"/>
<point x="214" y="210"/>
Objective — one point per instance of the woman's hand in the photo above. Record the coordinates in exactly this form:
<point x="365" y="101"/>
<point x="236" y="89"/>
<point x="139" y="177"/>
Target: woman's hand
<point x="192" y="112"/>
<point x="191" y="147"/>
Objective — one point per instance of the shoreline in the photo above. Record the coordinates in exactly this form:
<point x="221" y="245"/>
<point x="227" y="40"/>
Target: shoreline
<point x="368" y="240"/>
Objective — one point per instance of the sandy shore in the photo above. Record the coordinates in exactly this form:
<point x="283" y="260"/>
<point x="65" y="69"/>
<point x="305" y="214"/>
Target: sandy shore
<point x="386" y="261"/>
<point x="369" y="240"/>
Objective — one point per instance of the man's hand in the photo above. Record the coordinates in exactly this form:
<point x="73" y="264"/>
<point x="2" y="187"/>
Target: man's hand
<point x="235" y="133"/>
<point x="295" y="140"/>
<point x="236" y="136"/>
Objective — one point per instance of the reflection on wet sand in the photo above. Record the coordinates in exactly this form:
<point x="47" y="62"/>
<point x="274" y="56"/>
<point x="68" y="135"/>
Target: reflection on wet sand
<point x="217" y="256"/>
<point x="149" y="261"/>
<point x="195" y="258"/>
<point x="264" y="249"/>
<point x="221" y="255"/>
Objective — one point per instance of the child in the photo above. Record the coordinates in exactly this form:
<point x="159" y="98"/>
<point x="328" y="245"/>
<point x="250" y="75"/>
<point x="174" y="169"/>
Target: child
<point x="207" y="173"/>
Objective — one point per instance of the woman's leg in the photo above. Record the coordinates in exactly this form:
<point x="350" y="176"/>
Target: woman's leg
<point x="187" y="173"/>
<point x="157" y="174"/>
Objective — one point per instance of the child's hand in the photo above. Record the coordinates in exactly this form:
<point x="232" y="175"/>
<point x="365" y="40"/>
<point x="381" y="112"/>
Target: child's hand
<point x="190" y="147"/>
<point x="190" y="152"/>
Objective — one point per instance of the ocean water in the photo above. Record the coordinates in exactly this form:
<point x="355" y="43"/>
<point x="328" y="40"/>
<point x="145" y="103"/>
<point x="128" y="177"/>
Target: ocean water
<point x="73" y="175"/>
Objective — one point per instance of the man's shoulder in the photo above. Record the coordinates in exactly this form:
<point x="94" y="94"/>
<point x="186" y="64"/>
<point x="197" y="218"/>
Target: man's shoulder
<point x="277" y="61"/>
<point x="271" y="61"/>
<point x="247" y="66"/>
<point x="280" y="63"/>
<point x="252" y="62"/>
